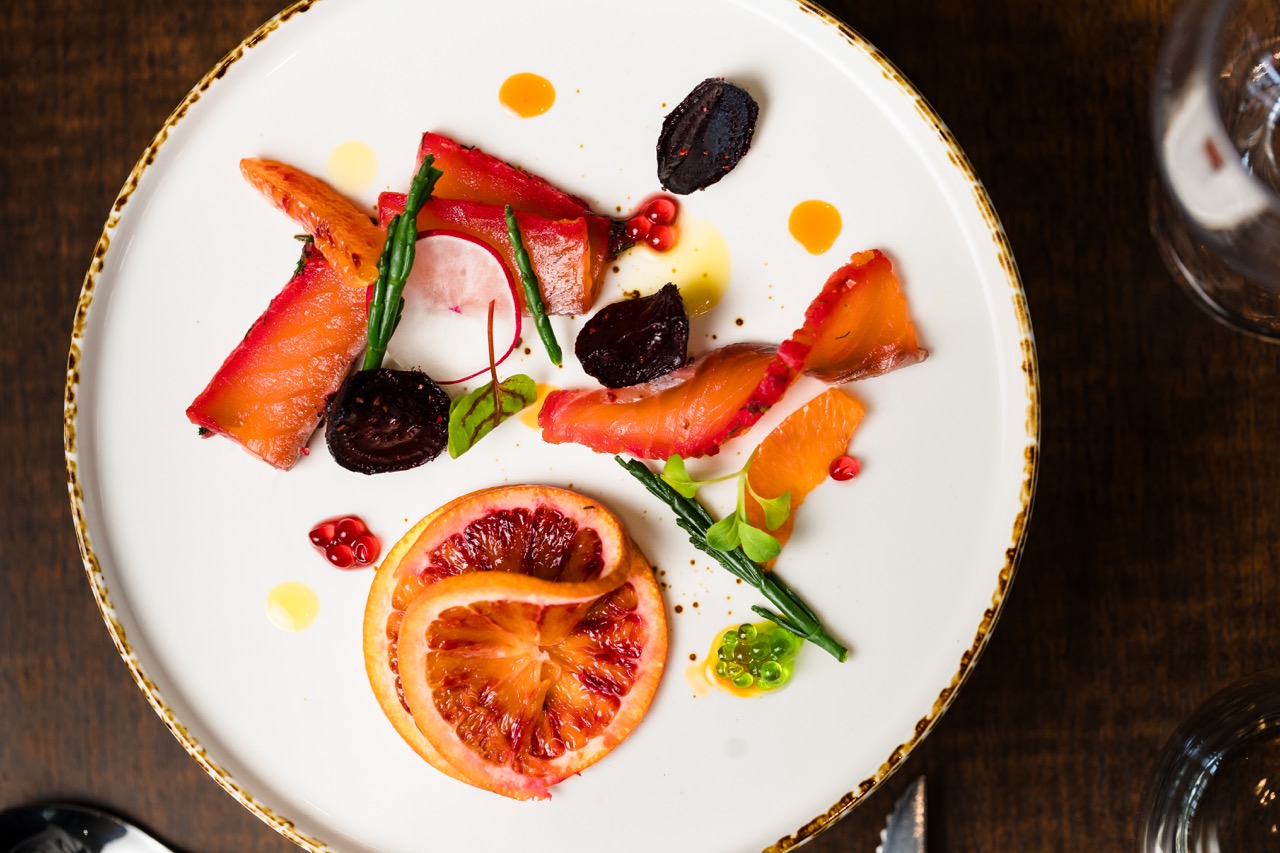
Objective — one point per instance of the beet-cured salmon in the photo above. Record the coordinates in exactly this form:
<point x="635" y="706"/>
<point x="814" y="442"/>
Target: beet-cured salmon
<point x="858" y="326"/>
<point x="270" y="393"/>
<point x="471" y="174"/>
<point x="558" y="248"/>
<point x="690" y="411"/>
<point x="346" y="237"/>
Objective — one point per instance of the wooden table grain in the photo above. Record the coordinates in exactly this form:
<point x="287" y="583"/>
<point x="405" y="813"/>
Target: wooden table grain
<point x="1151" y="577"/>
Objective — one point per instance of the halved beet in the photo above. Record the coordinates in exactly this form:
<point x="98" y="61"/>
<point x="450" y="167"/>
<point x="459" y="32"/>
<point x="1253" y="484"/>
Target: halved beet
<point x="705" y="136"/>
<point x="387" y="420"/>
<point x="635" y="340"/>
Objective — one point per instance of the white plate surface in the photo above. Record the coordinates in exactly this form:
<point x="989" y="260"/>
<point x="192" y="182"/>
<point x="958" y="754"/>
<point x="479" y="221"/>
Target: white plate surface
<point x="909" y="563"/>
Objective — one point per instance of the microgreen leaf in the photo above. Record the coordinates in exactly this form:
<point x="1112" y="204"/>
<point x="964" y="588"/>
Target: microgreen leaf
<point x="675" y="475"/>
<point x="776" y="509"/>
<point x="724" y="534"/>
<point x="473" y="416"/>
<point x="757" y="544"/>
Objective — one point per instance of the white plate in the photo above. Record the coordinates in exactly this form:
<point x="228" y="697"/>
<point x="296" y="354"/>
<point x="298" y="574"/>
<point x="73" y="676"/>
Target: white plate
<point x="909" y="563"/>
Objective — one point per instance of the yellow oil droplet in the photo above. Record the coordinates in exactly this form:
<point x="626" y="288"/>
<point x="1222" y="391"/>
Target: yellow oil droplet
<point x="815" y="225"/>
<point x="527" y="95"/>
<point x="698" y="265"/>
<point x="292" y="605"/>
<point x="529" y="417"/>
<point x="699" y="678"/>
<point x="352" y="167"/>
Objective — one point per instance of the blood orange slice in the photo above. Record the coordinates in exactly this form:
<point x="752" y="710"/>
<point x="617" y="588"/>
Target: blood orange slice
<point x="544" y="532"/>
<point x="520" y="682"/>
<point x="347" y="238"/>
<point x="796" y="456"/>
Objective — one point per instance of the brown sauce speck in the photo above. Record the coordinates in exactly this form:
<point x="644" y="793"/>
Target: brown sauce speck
<point x="679" y="608"/>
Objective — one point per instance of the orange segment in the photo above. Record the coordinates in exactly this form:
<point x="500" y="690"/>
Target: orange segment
<point x="797" y="455"/>
<point x="346" y="237"/>
<point x="542" y="532"/>
<point x="514" y="699"/>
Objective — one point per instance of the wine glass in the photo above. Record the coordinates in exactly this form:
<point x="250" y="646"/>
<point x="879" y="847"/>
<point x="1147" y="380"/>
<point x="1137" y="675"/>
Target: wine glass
<point x="1215" y="200"/>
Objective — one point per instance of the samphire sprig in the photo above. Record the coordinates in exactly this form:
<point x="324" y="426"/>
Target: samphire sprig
<point x="692" y="517"/>
<point x="394" y="264"/>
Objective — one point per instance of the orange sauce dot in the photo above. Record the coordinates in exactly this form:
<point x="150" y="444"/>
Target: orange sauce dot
<point x="527" y="95"/>
<point x="815" y="225"/>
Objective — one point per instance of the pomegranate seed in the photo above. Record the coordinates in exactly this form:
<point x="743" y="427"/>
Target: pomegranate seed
<point x="366" y="549"/>
<point x="322" y="534"/>
<point x="340" y="555"/>
<point x="661" y="210"/>
<point x="638" y="228"/>
<point x="845" y="468"/>
<point x="662" y="237"/>
<point x="349" y="529"/>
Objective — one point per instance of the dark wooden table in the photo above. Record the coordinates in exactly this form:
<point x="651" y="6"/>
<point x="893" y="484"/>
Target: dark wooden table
<point x="1151" y="577"/>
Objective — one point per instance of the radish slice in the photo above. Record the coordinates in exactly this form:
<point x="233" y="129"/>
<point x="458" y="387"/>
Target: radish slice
<point x="454" y="276"/>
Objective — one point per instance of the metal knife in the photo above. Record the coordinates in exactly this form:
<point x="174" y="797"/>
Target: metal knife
<point x="905" y="831"/>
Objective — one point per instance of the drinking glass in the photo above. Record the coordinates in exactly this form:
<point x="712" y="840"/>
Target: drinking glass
<point x="1215" y="789"/>
<point x="1215" y="202"/>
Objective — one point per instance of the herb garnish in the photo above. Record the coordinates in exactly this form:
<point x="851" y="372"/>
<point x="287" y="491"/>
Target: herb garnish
<point x="692" y="517"/>
<point x="473" y="416"/>
<point x="394" y="264"/>
<point x="532" y="293"/>
<point x="735" y="530"/>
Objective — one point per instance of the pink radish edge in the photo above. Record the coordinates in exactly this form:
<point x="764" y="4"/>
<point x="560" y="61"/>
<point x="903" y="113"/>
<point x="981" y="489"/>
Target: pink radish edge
<point x="511" y="285"/>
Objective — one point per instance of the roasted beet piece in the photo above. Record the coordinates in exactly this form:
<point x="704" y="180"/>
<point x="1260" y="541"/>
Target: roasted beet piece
<point x="636" y="340"/>
<point x="705" y="136"/>
<point x="387" y="420"/>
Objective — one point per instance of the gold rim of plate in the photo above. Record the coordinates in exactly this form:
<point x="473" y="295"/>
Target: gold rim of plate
<point x="812" y="827"/>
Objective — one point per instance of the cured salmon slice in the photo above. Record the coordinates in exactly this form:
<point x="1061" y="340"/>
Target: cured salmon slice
<point x="859" y="326"/>
<point x="559" y="249"/>
<point x="270" y="393"/>
<point x="473" y="175"/>
<point x="690" y="411"/>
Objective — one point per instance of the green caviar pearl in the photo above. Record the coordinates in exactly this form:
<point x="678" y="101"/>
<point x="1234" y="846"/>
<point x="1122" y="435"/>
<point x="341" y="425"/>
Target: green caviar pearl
<point x="746" y="632"/>
<point x="724" y="653"/>
<point x="780" y="644"/>
<point x="729" y="639"/>
<point x="742" y="654"/>
<point x="733" y="670"/>
<point x="754" y="669"/>
<point x="771" y="674"/>
<point x="722" y="669"/>
<point x="760" y="649"/>
<point x="744" y="681"/>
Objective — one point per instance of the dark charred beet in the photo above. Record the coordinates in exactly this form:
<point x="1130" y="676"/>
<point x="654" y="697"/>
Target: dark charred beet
<point x="636" y="340"/>
<point x="705" y="136"/>
<point x="387" y="420"/>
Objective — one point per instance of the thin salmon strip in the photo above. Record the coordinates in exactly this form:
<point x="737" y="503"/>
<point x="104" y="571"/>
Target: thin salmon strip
<point x="559" y="249"/>
<point x="347" y="237"/>
<point x="473" y="175"/>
